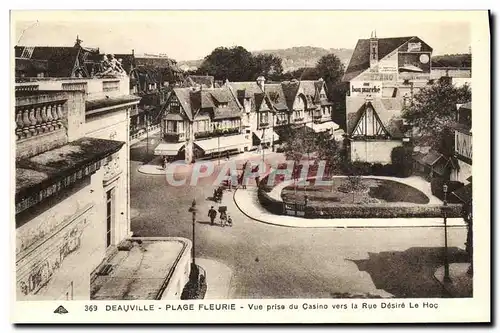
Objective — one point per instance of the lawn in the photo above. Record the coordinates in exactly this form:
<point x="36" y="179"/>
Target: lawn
<point x="375" y="191"/>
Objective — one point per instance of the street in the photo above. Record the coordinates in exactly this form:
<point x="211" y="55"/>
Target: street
<point x="279" y="262"/>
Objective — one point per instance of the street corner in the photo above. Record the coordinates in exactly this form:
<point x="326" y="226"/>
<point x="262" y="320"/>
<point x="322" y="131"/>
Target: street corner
<point x="218" y="276"/>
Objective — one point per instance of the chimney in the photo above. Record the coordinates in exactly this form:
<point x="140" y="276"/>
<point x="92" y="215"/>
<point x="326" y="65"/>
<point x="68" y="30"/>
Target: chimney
<point x="261" y="81"/>
<point x="373" y="50"/>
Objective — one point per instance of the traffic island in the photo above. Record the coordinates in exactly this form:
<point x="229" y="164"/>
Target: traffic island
<point x="248" y="203"/>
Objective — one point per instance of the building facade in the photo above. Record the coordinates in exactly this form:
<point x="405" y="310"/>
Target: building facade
<point x="384" y="74"/>
<point x="72" y="181"/>
<point x="152" y="78"/>
<point x="463" y="144"/>
<point x="276" y="107"/>
<point x="201" y="123"/>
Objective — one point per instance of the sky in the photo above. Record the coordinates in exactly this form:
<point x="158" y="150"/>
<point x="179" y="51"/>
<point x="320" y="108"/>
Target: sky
<point x="190" y="35"/>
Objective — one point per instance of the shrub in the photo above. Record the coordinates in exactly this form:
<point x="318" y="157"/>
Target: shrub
<point x="357" y="211"/>
<point x="402" y="161"/>
<point x="361" y="168"/>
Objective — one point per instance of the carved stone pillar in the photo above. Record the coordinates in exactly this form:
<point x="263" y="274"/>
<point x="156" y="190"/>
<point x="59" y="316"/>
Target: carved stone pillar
<point x="26" y="124"/>
<point x="50" y="119"/>
<point x="32" y="120"/>
<point x="43" y="114"/>
<point x="19" y="124"/>
<point x="39" y="121"/>
<point x="59" y="115"/>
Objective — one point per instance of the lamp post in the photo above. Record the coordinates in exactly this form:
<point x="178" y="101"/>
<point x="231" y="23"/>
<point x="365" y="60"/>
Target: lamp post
<point x="193" y="211"/>
<point x="446" y="277"/>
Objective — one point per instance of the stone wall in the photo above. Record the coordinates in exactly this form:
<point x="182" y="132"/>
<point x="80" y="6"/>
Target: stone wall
<point x="61" y="243"/>
<point x="113" y="125"/>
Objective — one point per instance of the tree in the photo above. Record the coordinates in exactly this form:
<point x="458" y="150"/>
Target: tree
<point x="267" y="65"/>
<point x="331" y="69"/>
<point x="296" y="145"/>
<point x="433" y="110"/>
<point x="233" y="64"/>
<point x="402" y="162"/>
<point x="329" y="151"/>
<point x="354" y="182"/>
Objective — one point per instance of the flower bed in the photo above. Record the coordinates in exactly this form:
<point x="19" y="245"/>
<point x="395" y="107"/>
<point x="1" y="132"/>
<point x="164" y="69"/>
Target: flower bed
<point x="342" y="209"/>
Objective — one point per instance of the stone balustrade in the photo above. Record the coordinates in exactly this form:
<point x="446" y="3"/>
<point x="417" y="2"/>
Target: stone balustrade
<point x="36" y="119"/>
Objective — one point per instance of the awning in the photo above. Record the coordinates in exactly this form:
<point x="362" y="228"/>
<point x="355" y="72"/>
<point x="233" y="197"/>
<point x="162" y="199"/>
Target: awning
<point x="322" y="127"/>
<point x="168" y="149"/>
<point x="266" y="136"/>
<point x="222" y="143"/>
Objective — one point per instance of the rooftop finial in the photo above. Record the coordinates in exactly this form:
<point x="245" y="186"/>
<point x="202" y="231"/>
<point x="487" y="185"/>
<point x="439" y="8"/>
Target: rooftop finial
<point x="78" y="41"/>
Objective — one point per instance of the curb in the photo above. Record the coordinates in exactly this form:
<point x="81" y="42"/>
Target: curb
<point x="139" y="169"/>
<point x="338" y="227"/>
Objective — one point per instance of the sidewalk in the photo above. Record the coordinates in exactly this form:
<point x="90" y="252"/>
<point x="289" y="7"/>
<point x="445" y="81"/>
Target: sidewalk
<point x="461" y="282"/>
<point x="218" y="278"/>
<point x="248" y="203"/>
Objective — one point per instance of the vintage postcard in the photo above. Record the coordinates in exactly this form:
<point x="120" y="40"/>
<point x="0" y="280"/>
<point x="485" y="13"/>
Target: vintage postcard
<point x="250" y="166"/>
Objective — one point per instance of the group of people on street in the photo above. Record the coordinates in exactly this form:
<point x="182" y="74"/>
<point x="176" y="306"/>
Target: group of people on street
<point x="225" y="219"/>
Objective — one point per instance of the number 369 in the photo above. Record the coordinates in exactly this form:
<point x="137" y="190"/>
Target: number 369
<point x="91" y="308"/>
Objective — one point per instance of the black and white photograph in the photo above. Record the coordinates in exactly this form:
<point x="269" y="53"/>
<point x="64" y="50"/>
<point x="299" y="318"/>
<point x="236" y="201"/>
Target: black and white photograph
<point x="319" y="159"/>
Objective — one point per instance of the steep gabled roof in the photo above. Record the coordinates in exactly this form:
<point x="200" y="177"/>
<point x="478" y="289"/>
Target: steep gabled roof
<point x="184" y="97"/>
<point x="290" y="89"/>
<point x="390" y="118"/>
<point x="360" y="59"/>
<point x="60" y="60"/>
<point x="194" y="101"/>
<point x="249" y="90"/>
<point x="276" y="95"/>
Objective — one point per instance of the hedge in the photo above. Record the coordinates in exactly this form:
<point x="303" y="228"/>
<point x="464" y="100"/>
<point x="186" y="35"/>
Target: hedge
<point x="372" y="211"/>
<point x="365" y="211"/>
<point x="272" y="205"/>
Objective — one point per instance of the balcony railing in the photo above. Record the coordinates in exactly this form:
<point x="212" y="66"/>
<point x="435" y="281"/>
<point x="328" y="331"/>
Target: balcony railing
<point x="216" y="133"/>
<point x="281" y="122"/>
<point x="174" y="136"/>
<point x="33" y="120"/>
<point x="298" y="120"/>
<point x="264" y="124"/>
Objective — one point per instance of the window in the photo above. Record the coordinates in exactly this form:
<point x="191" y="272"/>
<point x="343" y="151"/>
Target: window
<point x="171" y="126"/>
<point x="109" y="215"/>
<point x="264" y="117"/>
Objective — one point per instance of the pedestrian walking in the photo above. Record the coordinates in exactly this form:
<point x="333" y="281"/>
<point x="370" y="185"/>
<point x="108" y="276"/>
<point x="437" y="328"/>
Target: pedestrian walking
<point x="212" y="213"/>
<point x="223" y="219"/>
<point x="229" y="221"/>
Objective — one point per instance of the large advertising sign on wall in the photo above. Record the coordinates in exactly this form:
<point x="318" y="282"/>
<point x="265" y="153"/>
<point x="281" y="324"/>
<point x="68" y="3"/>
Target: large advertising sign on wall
<point x="414" y="64"/>
<point x="372" y="88"/>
